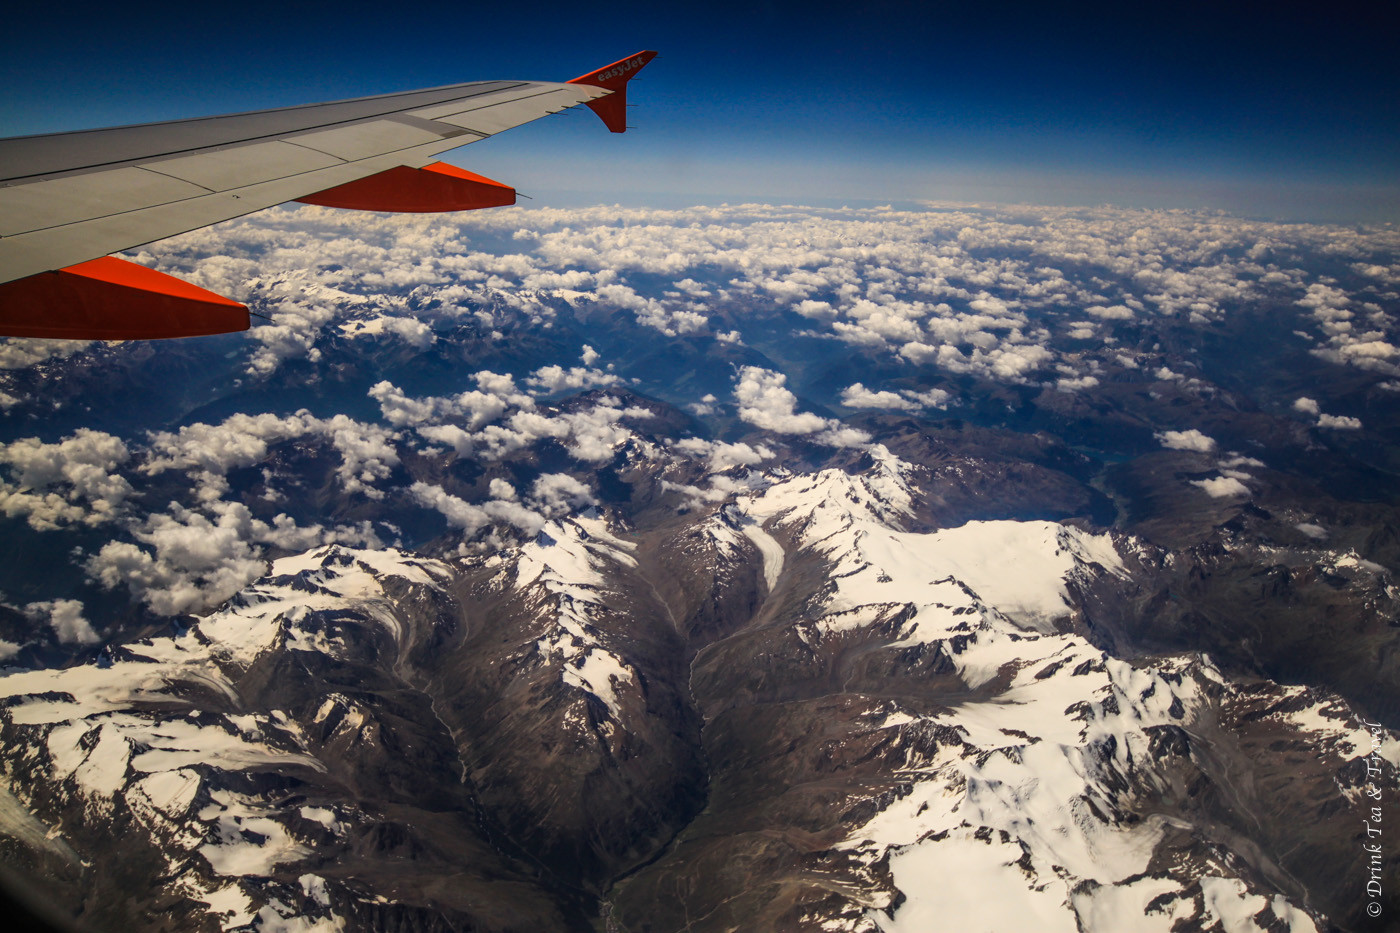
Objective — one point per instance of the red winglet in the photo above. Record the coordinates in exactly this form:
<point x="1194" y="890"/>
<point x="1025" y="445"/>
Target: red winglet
<point x="613" y="108"/>
<point x="435" y="187"/>
<point x="112" y="299"/>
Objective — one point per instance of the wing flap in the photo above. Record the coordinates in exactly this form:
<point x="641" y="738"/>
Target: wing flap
<point x="432" y="188"/>
<point x="111" y="299"/>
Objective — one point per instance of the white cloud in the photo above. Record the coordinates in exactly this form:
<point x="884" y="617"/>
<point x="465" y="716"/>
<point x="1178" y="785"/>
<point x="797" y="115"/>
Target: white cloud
<point x="594" y="435"/>
<point x="239" y="441"/>
<point x="932" y="398"/>
<point x="818" y="310"/>
<point x="554" y="379"/>
<point x="291" y="335"/>
<point x="1190" y="439"/>
<point x="557" y="493"/>
<point x="981" y="292"/>
<point x="840" y="435"/>
<point x="1239" y="460"/>
<point x="591" y="435"/>
<point x="23" y="352"/>
<point x="1306" y="405"/>
<point x="1111" y="312"/>
<point x="192" y="561"/>
<point x="1222" y="487"/>
<point x="706" y="405"/>
<point x="470" y="517"/>
<point x="65" y="616"/>
<point x="399" y="410"/>
<point x="724" y="456"/>
<point x="765" y="402"/>
<point x="366" y="452"/>
<point x="858" y="396"/>
<point x="1075" y="383"/>
<point x="496" y="394"/>
<point x="70" y="481"/>
<point x="958" y="275"/>
<point x="209" y="451"/>
<point x="1339" y="422"/>
<point x="693" y="288"/>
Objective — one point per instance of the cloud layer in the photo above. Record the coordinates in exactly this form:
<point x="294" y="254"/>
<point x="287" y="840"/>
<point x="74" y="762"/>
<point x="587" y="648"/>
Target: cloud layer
<point x="909" y="311"/>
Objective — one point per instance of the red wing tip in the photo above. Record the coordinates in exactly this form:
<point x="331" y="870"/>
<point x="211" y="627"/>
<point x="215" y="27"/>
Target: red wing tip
<point x="618" y="73"/>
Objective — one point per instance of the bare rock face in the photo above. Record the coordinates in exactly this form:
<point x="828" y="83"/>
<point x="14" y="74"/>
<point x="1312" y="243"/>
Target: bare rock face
<point x="564" y="685"/>
<point x="810" y="703"/>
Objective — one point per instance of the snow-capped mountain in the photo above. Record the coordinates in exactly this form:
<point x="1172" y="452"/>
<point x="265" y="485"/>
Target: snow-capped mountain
<point x="744" y="568"/>
<point x="796" y="707"/>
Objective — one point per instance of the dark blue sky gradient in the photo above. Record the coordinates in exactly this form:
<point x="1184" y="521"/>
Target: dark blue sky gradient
<point x="1247" y="107"/>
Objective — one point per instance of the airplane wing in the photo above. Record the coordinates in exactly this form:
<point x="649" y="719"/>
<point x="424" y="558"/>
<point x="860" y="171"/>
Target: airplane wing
<point x="68" y="200"/>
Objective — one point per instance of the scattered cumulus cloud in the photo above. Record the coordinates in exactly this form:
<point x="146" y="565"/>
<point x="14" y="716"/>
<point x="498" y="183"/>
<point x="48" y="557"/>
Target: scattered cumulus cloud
<point x="1222" y="487"/>
<point x="721" y="456"/>
<point x="973" y="291"/>
<point x="765" y="402"/>
<point x="472" y="517"/>
<point x="1310" y="406"/>
<point x="65" y="617"/>
<point x="952" y="291"/>
<point x="1190" y="439"/>
<point x="184" y="560"/>
<point x="857" y="395"/>
<point x="552" y="380"/>
<point x="706" y="405"/>
<point x="72" y="481"/>
<point x="1111" y="313"/>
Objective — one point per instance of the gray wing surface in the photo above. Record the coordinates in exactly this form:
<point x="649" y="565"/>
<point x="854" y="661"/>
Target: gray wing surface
<point x="72" y="197"/>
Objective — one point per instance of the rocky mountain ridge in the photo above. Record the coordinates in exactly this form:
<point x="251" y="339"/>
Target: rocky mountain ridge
<point x="743" y="699"/>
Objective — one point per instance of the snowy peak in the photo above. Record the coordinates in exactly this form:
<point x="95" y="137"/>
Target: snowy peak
<point x="816" y="506"/>
<point x="1020" y="569"/>
<point x="565" y="574"/>
<point x="570" y="555"/>
<point x="164" y="733"/>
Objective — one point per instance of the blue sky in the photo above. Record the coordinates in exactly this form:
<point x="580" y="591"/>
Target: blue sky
<point x="1254" y="109"/>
